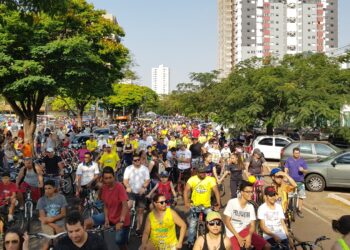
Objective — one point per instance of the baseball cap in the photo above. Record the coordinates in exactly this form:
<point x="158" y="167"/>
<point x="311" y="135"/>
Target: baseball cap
<point x="202" y="168"/>
<point x="164" y="174"/>
<point x="213" y="216"/>
<point x="257" y="151"/>
<point x="110" y="136"/>
<point x="270" y="191"/>
<point x="108" y="146"/>
<point x="275" y="171"/>
<point x="27" y="158"/>
<point x="6" y="174"/>
<point x="50" y="150"/>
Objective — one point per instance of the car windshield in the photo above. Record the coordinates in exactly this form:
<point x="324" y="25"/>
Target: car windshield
<point x="332" y="156"/>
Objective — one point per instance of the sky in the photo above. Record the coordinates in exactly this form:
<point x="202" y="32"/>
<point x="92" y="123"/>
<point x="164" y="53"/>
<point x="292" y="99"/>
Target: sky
<point x="181" y="34"/>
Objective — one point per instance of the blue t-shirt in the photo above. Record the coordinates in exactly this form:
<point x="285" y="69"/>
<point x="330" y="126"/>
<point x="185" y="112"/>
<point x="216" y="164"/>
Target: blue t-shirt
<point x="293" y="168"/>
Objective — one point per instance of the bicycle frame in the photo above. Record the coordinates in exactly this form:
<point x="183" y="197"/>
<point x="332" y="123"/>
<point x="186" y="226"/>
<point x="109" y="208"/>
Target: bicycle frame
<point x="133" y="217"/>
<point x="28" y="208"/>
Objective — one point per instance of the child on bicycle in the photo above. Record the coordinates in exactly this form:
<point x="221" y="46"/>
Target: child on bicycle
<point x="164" y="187"/>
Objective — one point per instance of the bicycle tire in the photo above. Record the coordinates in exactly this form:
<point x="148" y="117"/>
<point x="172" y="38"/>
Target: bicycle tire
<point x="132" y="228"/>
<point x="89" y="211"/>
<point x="67" y="185"/>
<point x="28" y="216"/>
<point x="294" y="207"/>
<point x="19" y="221"/>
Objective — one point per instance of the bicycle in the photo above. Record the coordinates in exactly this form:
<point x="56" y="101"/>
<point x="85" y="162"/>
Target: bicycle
<point x="51" y="238"/>
<point x="293" y="203"/>
<point x="67" y="183"/>
<point x="17" y="221"/>
<point x="309" y="245"/>
<point x="28" y="209"/>
<point x="258" y="189"/>
<point x="133" y="219"/>
<point x="180" y="182"/>
<point x="90" y="204"/>
<point x="200" y="212"/>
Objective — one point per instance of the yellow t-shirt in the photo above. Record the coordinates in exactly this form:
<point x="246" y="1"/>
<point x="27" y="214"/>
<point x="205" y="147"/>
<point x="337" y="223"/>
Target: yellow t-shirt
<point x="112" y="142"/>
<point x="171" y="144"/>
<point x="164" y="132"/>
<point x="202" y="139"/>
<point x="109" y="160"/>
<point x="201" y="190"/>
<point x="91" y="145"/>
<point x="135" y="144"/>
<point x="163" y="234"/>
<point x="186" y="140"/>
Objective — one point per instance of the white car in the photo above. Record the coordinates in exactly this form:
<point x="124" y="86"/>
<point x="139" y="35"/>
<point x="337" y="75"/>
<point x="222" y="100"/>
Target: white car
<point x="271" y="145"/>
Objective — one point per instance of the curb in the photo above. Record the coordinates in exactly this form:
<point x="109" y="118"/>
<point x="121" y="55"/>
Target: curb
<point x="338" y="198"/>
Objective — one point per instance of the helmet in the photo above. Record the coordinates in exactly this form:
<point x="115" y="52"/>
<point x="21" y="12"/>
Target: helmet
<point x="15" y="158"/>
<point x="275" y="171"/>
<point x="252" y="179"/>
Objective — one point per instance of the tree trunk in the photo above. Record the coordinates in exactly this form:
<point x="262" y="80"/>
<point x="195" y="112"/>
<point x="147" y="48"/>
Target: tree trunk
<point x="29" y="127"/>
<point x="80" y="117"/>
<point x="269" y="129"/>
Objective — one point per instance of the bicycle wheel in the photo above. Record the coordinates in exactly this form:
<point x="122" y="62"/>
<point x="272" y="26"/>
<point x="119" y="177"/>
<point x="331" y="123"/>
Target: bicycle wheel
<point x="89" y="211"/>
<point x="28" y="215"/>
<point x="18" y="221"/>
<point x="132" y="224"/>
<point x="67" y="185"/>
<point x="222" y="189"/>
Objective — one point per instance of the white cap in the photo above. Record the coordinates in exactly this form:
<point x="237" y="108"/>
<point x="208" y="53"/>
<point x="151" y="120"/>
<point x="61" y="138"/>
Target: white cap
<point x="50" y="150"/>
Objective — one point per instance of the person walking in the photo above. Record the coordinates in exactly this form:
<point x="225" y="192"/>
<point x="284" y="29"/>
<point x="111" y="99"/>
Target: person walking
<point x="342" y="225"/>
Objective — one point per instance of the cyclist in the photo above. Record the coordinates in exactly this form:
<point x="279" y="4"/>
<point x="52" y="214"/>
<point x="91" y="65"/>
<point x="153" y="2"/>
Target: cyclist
<point x="128" y="151"/>
<point x="115" y="209"/>
<point x="296" y="167"/>
<point x="53" y="166"/>
<point x="235" y="169"/>
<point x="214" y="237"/>
<point x="136" y="181"/>
<point x="239" y="219"/>
<point x="201" y="187"/>
<point x="342" y="226"/>
<point x="215" y="152"/>
<point x="159" y="232"/>
<point x="15" y="240"/>
<point x="86" y="176"/>
<point x="271" y="217"/>
<point x="164" y="187"/>
<point x="283" y="184"/>
<point x="91" y="145"/>
<point x="183" y="156"/>
<point x="196" y="149"/>
<point x="77" y="237"/>
<point x="256" y="163"/>
<point x="52" y="209"/>
<point x="109" y="158"/>
<point x="8" y="191"/>
<point x="29" y="176"/>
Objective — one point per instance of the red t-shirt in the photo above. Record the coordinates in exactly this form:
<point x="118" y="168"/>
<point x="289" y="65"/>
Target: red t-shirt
<point x="165" y="189"/>
<point x="6" y="191"/>
<point x="195" y="133"/>
<point x="21" y="133"/>
<point x="112" y="199"/>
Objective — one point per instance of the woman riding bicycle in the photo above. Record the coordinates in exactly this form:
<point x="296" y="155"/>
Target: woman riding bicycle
<point x="15" y="240"/>
<point x="160" y="231"/>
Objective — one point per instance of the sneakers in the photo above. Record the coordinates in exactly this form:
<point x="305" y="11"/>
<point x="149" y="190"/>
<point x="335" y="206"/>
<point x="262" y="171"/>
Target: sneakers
<point x="9" y="217"/>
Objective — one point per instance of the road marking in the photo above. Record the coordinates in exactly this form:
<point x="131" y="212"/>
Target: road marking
<point x="318" y="216"/>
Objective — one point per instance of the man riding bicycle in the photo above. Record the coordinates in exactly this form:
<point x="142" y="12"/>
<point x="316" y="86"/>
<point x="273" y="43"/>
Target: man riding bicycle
<point x="201" y="187"/>
<point x="136" y="181"/>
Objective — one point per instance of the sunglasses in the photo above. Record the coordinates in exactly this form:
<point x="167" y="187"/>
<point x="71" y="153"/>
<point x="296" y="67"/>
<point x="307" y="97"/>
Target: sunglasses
<point x="161" y="202"/>
<point x="11" y="241"/>
<point x="279" y="176"/>
<point x="136" y="159"/>
<point x="214" y="222"/>
<point x="272" y="195"/>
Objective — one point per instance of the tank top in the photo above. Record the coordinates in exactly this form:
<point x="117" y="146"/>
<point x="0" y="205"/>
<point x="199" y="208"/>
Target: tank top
<point x="155" y="171"/>
<point x="163" y="234"/>
<point x="31" y="178"/>
<point x="165" y="189"/>
<point x="222" y="243"/>
<point x="343" y="244"/>
<point x="128" y="147"/>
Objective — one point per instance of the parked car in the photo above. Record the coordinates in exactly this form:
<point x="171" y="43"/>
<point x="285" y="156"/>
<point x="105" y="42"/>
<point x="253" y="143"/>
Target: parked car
<point x="79" y="139"/>
<point x="101" y="131"/>
<point x="270" y="145"/>
<point x="332" y="171"/>
<point x="309" y="150"/>
<point x="315" y="134"/>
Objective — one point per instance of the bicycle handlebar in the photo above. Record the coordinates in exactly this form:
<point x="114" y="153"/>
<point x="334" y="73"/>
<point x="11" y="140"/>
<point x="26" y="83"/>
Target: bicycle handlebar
<point x="47" y="236"/>
<point x="310" y="243"/>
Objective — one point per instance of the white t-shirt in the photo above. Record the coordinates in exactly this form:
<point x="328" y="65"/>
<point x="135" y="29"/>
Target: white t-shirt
<point x="143" y="145"/>
<point x="183" y="154"/>
<point x="272" y="219"/>
<point x="216" y="155"/>
<point x="240" y="217"/>
<point x="136" y="177"/>
<point x="87" y="173"/>
<point x="225" y="152"/>
<point x="149" y="139"/>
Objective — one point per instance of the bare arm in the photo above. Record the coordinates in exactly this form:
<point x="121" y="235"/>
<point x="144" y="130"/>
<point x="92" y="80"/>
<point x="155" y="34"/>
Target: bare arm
<point x="40" y="174"/>
<point x="146" y="233"/>
<point x="217" y="195"/>
<point x="198" y="245"/>
<point x="186" y="191"/>
<point x="153" y="190"/>
<point x="20" y="176"/>
<point x="179" y="222"/>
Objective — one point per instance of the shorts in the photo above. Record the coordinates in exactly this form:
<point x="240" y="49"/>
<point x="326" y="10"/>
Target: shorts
<point x="301" y="190"/>
<point x="139" y="199"/>
<point x="49" y="230"/>
<point x="36" y="192"/>
<point x="121" y="236"/>
<point x="257" y="241"/>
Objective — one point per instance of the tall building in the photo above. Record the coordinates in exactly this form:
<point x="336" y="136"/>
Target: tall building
<point x="161" y="80"/>
<point x="262" y="28"/>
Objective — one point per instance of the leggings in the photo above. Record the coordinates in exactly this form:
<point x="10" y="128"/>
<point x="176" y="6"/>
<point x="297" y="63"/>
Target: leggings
<point x="234" y="187"/>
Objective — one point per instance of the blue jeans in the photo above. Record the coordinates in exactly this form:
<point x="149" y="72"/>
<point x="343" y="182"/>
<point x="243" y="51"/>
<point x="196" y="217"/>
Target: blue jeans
<point x="193" y="220"/>
<point x="121" y="236"/>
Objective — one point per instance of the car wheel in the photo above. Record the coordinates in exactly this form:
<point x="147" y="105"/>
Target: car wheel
<point x="315" y="183"/>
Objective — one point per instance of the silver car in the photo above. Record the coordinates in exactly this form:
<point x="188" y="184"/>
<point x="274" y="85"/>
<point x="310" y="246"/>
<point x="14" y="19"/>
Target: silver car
<point x="332" y="171"/>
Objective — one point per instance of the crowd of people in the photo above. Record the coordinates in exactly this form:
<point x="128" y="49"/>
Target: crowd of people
<point x="153" y="158"/>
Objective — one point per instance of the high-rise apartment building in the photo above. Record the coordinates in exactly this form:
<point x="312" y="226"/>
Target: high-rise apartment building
<point x="161" y="80"/>
<point x="262" y="28"/>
